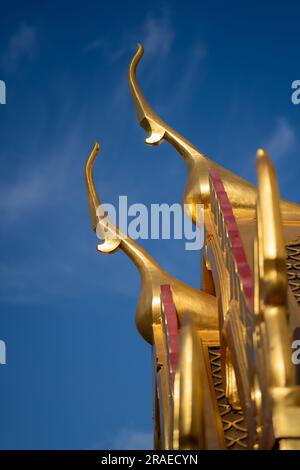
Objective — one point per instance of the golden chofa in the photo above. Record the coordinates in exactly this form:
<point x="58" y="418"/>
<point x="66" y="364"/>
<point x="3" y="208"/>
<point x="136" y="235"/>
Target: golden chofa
<point x="201" y="306"/>
<point x="241" y="193"/>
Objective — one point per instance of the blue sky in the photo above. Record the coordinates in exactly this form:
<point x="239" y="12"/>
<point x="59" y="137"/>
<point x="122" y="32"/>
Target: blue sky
<point x="78" y="375"/>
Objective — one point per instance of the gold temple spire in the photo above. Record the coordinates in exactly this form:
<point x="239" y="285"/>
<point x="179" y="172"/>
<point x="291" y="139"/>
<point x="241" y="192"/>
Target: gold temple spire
<point x="201" y="306"/>
<point x="224" y="375"/>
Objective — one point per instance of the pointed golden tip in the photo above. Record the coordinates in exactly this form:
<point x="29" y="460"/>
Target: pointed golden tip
<point x="93" y="155"/>
<point x="146" y="116"/>
<point x="261" y="153"/>
<point x="137" y="56"/>
<point x="93" y="198"/>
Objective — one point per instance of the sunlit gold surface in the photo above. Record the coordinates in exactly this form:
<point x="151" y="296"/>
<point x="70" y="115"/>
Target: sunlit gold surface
<point x="189" y="391"/>
<point x="242" y="194"/>
<point x="201" y="306"/>
<point x="234" y="315"/>
<point x="272" y="284"/>
<point x="278" y="404"/>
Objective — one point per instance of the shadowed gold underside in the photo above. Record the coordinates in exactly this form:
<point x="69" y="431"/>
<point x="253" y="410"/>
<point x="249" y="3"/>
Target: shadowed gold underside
<point x="235" y="432"/>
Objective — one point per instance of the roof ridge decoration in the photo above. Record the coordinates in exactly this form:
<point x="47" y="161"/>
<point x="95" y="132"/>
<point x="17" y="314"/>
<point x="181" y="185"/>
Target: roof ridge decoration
<point x="201" y="306"/>
<point x="241" y="193"/>
<point x="234" y="236"/>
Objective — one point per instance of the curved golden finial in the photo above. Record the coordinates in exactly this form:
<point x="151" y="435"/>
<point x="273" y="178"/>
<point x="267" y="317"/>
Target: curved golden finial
<point x="241" y="193"/>
<point x="111" y="241"/>
<point x="201" y="306"/>
<point x="157" y="129"/>
<point x="93" y="198"/>
<point x="146" y="117"/>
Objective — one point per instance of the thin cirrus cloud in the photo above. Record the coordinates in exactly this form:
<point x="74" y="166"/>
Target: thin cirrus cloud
<point x="158" y="38"/>
<point x="128" y="439"/>
<point x="21" y="45"/>
<point x="95" y="45"/>
<point x="28" y="190"/>
<point x="36" y="183"/>
<point x="156" y="34"/>
<point x="190" y="76"/>
<point x="282" y="141"/>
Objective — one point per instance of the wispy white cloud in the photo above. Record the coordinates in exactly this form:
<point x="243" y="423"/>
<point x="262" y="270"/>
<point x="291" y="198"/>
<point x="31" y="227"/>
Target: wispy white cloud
<point x="158" y="35"/>
<point x="190" y="75"/>
<point x="282" y="141"/>
<point x="22" y="282"/>
<point x="37" y="183"/>
<point x="49" y="192"/>
<point x="128" y="439"/>
<point x="22" y="45"/>
<point x="95" y="45"/>
<point x="25" y="193"/>
<point x="37" y="187"/>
